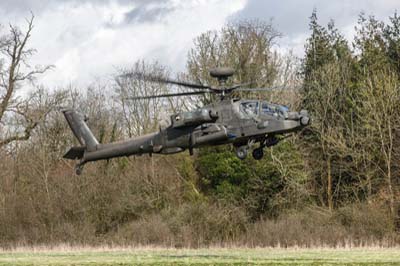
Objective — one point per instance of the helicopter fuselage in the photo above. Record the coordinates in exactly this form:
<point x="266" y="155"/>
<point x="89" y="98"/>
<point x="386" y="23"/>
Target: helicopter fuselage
<point x="239" y="122"/>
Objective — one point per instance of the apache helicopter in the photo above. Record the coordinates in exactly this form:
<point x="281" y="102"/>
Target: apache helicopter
<point x="239" y="122"/>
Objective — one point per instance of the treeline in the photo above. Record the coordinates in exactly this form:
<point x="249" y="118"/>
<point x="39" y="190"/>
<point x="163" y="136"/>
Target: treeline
<point x="334" y="184"/>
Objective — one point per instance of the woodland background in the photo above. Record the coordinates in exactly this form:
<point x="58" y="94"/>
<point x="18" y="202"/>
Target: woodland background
<point x="336" y="183"/>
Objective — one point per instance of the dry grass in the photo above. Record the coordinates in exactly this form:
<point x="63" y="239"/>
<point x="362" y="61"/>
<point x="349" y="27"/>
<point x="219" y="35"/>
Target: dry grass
<point x="118" y="248"/>
<point x="126" y="255"/>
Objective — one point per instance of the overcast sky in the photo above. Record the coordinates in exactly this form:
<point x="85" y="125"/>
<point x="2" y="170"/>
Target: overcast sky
<point x="87" y="40"/>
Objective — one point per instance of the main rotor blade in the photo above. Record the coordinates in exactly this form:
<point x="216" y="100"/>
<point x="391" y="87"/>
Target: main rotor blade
<point x="167" y="95"/>
<point x="235" y="87"/>
<point x="259" y="89"/>
<point x="166" y="80"/>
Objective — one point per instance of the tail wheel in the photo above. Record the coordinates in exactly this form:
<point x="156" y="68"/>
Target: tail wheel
<point x="241" y="152"/>
<point x="78" y="169"/>
<point x="258" y="153"/>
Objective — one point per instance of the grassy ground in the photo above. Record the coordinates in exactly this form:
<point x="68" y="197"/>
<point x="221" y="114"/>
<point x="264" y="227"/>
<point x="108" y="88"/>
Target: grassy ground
<point x="217" y="256"/>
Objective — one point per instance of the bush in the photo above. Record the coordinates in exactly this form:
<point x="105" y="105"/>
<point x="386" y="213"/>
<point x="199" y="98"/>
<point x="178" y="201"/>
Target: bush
<point x="355" y="225"/>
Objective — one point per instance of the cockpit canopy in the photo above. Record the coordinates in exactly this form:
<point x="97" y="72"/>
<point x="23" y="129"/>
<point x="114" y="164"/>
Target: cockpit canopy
<point x="251" y="108"/>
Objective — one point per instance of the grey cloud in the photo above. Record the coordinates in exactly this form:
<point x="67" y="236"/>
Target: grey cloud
<point x="38" y="6"/>
<point x="144" y="13"/>
<point x="22" y="6"/>
<point x="291" y="16"/>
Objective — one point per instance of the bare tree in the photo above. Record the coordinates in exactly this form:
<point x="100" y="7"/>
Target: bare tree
<point x="246" y="46"/>
<point x="380" y="105"/>
<point x="331" y="128"/>
<point x="142" y="116"/>
<point x="15" y="71"/>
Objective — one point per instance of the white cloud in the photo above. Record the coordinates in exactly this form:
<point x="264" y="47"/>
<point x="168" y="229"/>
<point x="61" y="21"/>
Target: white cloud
<point x="88" y="40"/>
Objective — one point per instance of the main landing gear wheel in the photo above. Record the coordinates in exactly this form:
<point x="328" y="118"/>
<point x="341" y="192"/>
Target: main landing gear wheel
<point x="304" y="121"/>
<point x="258" y="153"/>
<point x="241" y="152"/>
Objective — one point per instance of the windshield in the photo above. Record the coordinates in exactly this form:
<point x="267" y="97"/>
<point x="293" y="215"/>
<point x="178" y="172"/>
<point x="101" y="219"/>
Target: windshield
<point x="249" y="109"/>
<point x="267" y="109"/>
<point x="274" y="109"/>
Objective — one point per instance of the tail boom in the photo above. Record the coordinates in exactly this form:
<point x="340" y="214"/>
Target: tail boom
<point x="139" y="145"/>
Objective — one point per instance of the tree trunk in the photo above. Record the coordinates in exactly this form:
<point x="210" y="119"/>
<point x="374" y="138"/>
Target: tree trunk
<point x="329" y="188"/>
<point x="393" y="209"/>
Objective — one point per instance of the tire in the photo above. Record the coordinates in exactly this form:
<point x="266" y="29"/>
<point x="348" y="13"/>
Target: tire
<point x="305" y="121"/>
<point x="258" y="153"/>
<point x="241" y="152"/>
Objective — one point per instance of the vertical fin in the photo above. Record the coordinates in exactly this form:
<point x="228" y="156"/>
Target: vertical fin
<point x="80" y="130"/>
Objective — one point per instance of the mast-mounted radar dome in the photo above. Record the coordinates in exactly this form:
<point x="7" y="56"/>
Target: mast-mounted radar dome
<point x="221" y="73"/>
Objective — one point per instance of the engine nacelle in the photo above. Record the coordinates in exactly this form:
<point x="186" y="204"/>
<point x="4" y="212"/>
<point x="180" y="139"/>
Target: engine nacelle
<point x="194" y="118"/>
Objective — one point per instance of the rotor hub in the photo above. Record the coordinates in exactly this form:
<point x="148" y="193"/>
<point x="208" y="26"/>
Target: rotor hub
<point x="222" y="73"/>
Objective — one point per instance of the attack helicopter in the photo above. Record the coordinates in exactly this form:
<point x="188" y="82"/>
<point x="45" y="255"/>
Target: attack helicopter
<point x="245" y="123"/>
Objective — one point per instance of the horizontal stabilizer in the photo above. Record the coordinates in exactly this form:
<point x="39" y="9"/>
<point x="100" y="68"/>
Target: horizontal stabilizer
<point x="75" y="153"/>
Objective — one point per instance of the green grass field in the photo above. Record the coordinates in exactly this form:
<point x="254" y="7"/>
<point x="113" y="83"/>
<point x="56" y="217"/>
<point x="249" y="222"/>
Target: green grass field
<point x="218" y="256"/>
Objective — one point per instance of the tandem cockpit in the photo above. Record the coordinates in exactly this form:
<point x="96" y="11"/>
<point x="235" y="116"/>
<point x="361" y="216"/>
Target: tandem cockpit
<point x="251" y="109"/>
